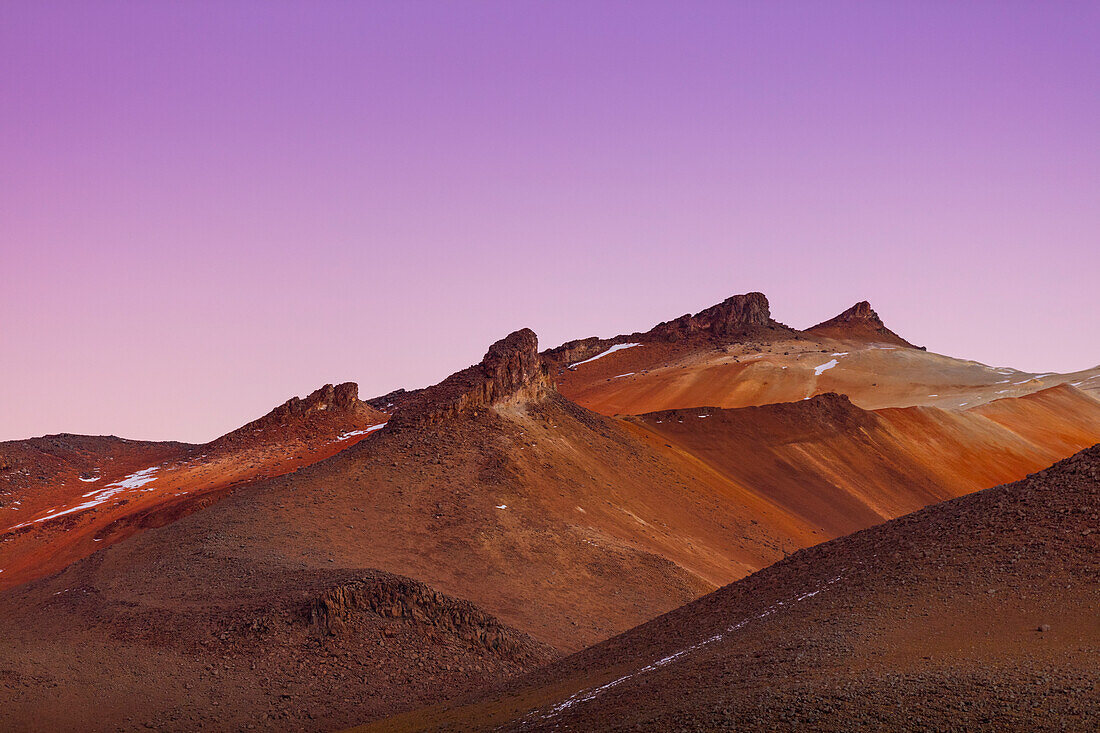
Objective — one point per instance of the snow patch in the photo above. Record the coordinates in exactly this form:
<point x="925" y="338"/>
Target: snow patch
<point x="135" y="480"/>
<point x="617" y="376"/>
<point x="502" y="506"/>
<point x="612" y="350"/>
<point x="89" y="480"/>
<point x="353" y="433"/>
<point x="825" y="367"/>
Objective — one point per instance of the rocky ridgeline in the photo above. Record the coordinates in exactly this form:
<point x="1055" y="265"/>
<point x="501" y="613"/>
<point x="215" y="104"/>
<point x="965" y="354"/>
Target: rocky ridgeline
<point x="738" y="315"/>
<point x="511" y="372"/>
<point x="733" y="316"/>
<point x="393" y="401"/>
<point x="339" y="398"/>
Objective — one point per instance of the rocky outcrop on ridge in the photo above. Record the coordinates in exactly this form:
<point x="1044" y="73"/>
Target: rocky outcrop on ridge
<point x="387" y="596"/>
<point x="511" y="371"/>
<point x="731" y="317"/>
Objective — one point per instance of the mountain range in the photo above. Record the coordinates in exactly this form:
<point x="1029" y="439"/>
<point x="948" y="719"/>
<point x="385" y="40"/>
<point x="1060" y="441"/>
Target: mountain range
<point x="719" y="523"/>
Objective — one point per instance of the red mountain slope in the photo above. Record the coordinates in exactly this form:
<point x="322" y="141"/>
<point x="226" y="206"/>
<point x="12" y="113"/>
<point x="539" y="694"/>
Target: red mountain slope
<point x="68" y="496"/>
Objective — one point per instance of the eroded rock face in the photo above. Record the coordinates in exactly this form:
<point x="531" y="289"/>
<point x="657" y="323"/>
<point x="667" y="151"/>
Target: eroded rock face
<point x="732" y="316"/>
<point x="861" y="312"/>
<point x="342" y="396"/>
<point x="512" y="366"/>
<point x="511" y="372"/>
<point x="392" y="401"/>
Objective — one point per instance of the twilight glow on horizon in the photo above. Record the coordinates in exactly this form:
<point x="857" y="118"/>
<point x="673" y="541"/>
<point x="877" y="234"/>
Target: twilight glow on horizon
<point x="209" y="207"/>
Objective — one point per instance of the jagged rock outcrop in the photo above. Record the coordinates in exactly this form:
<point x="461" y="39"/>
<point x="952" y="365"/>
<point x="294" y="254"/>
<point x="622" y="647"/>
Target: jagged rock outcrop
<point x="401" y="598"/>
<point x="859" y="322"/>
<point x="732" y="317"/>
<point x="511" y="371"/>
<point x="341" y="397"/>
<point x="327" y="399"/>
<point x="738" y="316"/>
<point x="577" y="350"/>
<point x="393" y="401"/>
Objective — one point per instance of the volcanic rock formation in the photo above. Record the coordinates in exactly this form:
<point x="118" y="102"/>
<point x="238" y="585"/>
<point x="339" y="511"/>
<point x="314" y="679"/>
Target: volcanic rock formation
<point x="511" y="371"/>
<point x="859" y="322"/>
<point x="729" y="318"/>
<point x="341" y="397"/>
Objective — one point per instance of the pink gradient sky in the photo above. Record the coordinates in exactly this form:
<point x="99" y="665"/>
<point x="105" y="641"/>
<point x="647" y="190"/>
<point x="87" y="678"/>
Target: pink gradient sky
<point x="206" y="208"/>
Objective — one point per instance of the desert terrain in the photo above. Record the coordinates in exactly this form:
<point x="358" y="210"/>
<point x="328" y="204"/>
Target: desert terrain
<point x="340" y="561"/>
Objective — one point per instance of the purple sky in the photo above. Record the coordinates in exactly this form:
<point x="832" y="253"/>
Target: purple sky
<point x="206" y="208"/>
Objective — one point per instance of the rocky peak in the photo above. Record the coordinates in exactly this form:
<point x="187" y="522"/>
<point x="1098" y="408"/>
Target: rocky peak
<point x="861" y="312"/>
<point x="731" y="317"/>
<point x="512" y="365"/>
<point x="341" y="397"/>
<point x="859" y="322"/>
<point x="511" y="371"/>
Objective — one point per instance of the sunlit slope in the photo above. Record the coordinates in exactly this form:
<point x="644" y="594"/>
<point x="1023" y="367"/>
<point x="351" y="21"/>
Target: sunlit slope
<point x="68" y="496"/>
<point x="838" y="468"/>
<point x="651" y="377"/>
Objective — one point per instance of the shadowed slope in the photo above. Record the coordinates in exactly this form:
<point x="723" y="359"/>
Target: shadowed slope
<point x="981" y="612"/>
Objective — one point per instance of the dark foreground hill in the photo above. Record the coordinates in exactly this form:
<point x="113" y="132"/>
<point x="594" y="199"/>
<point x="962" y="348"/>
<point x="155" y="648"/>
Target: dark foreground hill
<point x="980" y="613"/>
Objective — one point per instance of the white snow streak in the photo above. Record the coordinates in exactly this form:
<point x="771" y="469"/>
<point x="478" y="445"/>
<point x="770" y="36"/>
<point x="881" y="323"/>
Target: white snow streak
<point x="353" y="433"/>
<point x="612" y="350"/>
<point x="585" y="695"/>
<point x="825" y="367"/>
<point x="135" y="480"/>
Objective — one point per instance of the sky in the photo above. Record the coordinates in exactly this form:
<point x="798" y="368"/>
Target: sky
<point x="209" y="207"/>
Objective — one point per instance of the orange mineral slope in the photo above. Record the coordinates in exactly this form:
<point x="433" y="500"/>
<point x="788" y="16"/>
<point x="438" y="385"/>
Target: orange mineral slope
<point x="758" y="361"/>
<point x="67" y="496"/>
<point x="835" y="468"/>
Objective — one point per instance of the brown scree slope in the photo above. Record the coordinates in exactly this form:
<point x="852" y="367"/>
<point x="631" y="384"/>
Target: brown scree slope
<point x="980" y="613"/>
